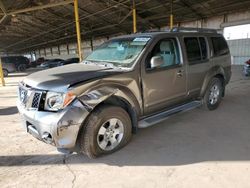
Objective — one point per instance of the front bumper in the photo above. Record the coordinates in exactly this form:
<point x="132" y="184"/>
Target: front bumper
<point x="56" y="128"/>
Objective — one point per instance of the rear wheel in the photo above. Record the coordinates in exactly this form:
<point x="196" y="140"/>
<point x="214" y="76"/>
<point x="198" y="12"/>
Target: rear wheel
<point x="21" y="68"/>
<point x="107" y="129"/>
<point x="5" y="72"/>
<point x="213" y="95"/>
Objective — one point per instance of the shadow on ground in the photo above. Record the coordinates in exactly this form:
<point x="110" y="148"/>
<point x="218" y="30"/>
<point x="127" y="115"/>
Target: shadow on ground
<point x="187" y="138"/>
<point x="8" y="110"/>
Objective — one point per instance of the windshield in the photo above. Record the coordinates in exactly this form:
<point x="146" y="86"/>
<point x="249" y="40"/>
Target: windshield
<point x="119" y="52"/>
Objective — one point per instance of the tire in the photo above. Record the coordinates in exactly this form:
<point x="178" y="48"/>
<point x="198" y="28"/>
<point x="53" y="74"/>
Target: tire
<point x="5" y="72"/>
<point x="213" y="95"/>
<point x="21" y="68"/>
<point x="94" y="132"/>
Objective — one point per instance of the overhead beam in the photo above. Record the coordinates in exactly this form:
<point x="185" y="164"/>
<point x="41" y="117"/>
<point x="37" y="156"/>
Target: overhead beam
<point x="186" y="4"/>
<point x="30" y="9"/>
<point x="128" y="8"/>
<point x="2" y="7"/>
<point x="64" y="25"/>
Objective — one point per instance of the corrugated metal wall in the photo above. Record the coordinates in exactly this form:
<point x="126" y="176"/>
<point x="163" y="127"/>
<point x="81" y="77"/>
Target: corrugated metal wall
<point x="240" y="50"/>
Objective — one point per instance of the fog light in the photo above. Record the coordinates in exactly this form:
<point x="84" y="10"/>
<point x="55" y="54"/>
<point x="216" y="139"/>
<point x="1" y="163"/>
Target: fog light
<point x="47" y="138"/>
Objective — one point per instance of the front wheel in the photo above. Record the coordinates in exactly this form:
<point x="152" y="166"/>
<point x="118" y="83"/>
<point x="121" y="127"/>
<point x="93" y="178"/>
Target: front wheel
<point x="5" y="73"/>
<point x="107" y="129"/>
<point x="213" y="95"/>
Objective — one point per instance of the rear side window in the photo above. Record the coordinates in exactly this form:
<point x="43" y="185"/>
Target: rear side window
<point x="196" y="48"/>
<point x="193" y="49"/>
<point x="220" y="46"/>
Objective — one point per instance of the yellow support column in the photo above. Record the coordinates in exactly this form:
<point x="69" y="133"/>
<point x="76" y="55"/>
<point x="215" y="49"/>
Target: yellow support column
<point x="171" y="21"/>
<point x="134" y="18"/>
<point x="78" y="31"/>
<point x="171" y="15"/>
<point x="1" y="73"/>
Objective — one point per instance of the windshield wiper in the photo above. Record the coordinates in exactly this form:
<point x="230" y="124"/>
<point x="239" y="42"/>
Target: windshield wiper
<point x="105" y="64"/>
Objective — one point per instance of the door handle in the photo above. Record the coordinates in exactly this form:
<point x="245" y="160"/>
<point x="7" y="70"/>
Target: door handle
<point x="180" y="73"/>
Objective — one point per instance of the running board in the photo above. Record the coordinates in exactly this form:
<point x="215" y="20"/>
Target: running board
<point x="149" y="121"/>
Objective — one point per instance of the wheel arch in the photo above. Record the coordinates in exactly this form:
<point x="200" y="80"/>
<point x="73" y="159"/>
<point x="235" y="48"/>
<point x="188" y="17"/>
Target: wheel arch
<point x="111" y="99"/>
<point x="217" y="72"/>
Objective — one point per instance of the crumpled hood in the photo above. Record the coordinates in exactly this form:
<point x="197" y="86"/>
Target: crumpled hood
<point x="60" y="78"/>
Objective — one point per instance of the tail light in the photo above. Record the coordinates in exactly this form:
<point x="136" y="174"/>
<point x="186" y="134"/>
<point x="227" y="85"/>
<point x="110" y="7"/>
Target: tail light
<point x="248" y="62"/>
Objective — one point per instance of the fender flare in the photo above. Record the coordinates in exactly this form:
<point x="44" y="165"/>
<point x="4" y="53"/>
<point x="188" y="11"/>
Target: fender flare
<point x="217" y="70"/>
<point x="98" y="96"/>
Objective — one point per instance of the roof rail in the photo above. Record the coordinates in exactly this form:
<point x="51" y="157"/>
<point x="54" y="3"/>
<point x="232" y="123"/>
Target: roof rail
<point x="190" y="29"/>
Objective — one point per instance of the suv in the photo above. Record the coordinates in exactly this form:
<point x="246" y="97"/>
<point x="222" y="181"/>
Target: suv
<point x="127" y="83"/>
<point x="7" y="68"/>
<point x="20" y="63"/>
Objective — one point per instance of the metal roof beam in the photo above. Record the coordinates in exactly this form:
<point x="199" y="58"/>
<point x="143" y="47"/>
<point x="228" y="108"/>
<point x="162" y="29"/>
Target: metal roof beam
<point x="138" y="13"/>
<point x="50" y="5"/>
<point x="2" y="7"/>
<point x="65" y="25"/>
<point x="186" y="4"/>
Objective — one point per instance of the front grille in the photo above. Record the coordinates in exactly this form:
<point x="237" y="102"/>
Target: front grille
<point x="29" y="98"/>
<point x="36" y="100"/>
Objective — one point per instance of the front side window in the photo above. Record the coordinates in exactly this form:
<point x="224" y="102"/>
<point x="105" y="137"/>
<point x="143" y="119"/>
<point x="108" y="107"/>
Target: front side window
<point x="220" y="46"/>
<point x="120" y="52"/>
<point x="168" y="50"/>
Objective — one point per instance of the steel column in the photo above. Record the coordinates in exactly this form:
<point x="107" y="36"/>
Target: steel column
<point x="1" y="73"/>
<point x="171" y="15"/>
<point x="134" y="18"/>
<point x="78" y="31"/>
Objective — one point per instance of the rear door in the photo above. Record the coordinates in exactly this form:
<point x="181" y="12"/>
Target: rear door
<point x="197" y="59"/>
<point x="166" y="85"/>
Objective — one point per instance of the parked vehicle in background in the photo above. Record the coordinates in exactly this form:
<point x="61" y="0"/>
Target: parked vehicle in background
<point x="37" y="62"/>
<point x="69" y="61"/>
<point x="8" y="68"/>
<point x="51" y="63"/>
<point x="21" y="63"/>
<point x="127" y="83"/>
<point x="246" y="68"/>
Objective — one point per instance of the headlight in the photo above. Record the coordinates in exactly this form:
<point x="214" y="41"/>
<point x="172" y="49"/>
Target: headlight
<point x="56" y="101"/>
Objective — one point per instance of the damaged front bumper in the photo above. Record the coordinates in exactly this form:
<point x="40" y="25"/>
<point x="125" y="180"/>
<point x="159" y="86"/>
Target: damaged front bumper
<point x="56" y="128"/>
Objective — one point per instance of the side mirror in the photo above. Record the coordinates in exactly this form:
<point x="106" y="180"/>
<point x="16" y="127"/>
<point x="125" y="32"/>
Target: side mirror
<point x="156" y="61"/>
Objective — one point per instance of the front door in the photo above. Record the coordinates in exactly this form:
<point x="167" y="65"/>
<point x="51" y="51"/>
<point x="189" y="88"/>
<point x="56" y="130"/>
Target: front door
<point x="165" y="85"/>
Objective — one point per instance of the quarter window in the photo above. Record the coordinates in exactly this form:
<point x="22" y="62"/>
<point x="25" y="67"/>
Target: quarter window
<point x="220" y="46"/>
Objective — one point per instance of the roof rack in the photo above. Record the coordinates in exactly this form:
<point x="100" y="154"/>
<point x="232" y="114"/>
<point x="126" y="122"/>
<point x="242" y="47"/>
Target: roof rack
<point x="190" y="29"/>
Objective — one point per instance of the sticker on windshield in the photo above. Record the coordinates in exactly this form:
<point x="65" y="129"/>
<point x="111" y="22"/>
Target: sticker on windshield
<point x="141" y="39"/>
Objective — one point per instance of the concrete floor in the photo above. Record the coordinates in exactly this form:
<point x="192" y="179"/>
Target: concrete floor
<point x="193" y="149"/>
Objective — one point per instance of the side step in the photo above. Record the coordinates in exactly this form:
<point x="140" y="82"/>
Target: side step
<point x="149" y="121"/>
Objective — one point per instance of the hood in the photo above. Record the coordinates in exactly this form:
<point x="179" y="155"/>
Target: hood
<point x="60" y="78"/>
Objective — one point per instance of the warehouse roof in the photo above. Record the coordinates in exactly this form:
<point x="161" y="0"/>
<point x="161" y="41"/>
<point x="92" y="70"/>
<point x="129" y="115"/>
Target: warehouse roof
<point x="27" y="25"/>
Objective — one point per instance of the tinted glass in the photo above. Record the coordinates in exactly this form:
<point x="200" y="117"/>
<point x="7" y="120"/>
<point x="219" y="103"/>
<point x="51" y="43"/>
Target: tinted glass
<point x="168" y="50"/>
<point x="220" y="46"/>
<point x="193" y="49"/>
<point x="203" y="46"/>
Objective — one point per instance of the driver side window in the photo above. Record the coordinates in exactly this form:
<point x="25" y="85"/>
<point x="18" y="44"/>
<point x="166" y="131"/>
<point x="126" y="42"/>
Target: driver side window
<point x="167" y="49"/>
